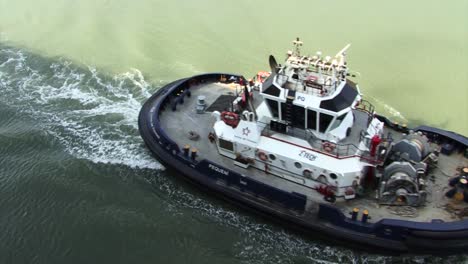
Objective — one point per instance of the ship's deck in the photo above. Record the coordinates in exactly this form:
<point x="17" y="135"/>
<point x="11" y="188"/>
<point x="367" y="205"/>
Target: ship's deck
<point x="177" y="125"/>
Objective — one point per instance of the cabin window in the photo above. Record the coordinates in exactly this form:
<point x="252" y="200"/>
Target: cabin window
<point x="298" y="116"/>
<point x="272" y="156"/>
<point x="338" y="121"/>
<point x="226" y="145"/>
<point x="284" y="112"/>
<point x="273" y="105"/>
<point x="324" y="122"/>
<point x="311" y="119"/>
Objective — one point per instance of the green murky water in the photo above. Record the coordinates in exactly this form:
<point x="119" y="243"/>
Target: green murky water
<point x="76" y="184"/>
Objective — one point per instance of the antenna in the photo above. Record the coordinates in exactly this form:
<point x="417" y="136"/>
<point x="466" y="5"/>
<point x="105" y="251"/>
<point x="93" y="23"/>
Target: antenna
<point x="297" y="43"/>
<point x="342" y="52"/>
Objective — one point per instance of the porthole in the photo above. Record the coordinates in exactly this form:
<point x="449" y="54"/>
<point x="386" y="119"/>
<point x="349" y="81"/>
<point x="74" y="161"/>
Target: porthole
<point x="272" y="156"/>
<point x="333" y="176"/>
<point x="298" y="165"/>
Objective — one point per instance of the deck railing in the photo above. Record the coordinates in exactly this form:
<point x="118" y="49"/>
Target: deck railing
<point x="308" y="87"/>
<point x="337" y="150"/>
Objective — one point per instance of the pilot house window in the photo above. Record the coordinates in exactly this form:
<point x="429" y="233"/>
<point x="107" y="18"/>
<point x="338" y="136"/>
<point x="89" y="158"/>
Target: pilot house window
<point x="325" y="121"/>
<point x="311" y="119"/>
<point x="337" y="122"/>
<point x="298" y="116"/>
<point x="273" y="105"/>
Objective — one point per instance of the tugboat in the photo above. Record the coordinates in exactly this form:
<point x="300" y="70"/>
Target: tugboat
<point x="301" y="145"/>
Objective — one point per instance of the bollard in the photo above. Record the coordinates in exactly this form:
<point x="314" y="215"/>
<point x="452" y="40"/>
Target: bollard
<point x="365" y="216"/>
<point x="194" y="153"/>
<point x="186" y="150"/>
<point x="354" y="213"/>
<point x="465" y="171"/>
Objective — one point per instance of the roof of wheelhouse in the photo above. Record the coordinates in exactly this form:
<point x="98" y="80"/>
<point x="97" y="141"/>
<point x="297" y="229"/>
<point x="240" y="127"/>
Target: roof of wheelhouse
<point x="342" y="100"/>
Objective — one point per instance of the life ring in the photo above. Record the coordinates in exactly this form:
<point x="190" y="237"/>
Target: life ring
<point x="328" y="147"/>
<point x="230" y="118"/>
<point x="262" y="156"/>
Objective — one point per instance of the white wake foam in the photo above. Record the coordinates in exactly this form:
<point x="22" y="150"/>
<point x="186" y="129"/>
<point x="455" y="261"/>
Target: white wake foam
<point x="391" y="110"/>
<point x="94" y="116"/>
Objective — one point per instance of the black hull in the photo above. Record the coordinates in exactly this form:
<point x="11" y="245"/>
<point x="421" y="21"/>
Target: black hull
<point x="387" y="235"/>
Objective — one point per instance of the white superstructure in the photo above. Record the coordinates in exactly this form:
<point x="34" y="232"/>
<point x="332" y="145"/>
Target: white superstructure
<point x="311" y="126"/>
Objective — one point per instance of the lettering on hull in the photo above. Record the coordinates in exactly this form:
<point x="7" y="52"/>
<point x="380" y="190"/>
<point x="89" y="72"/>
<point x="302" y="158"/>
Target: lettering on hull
<point x="307" y="155"/>
<point x="219" y="170"/>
